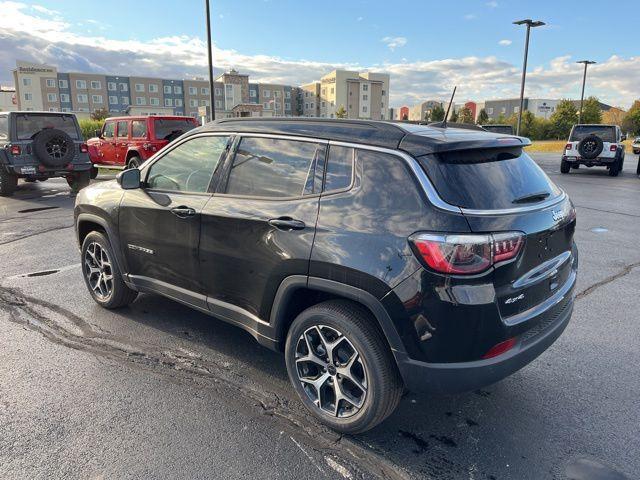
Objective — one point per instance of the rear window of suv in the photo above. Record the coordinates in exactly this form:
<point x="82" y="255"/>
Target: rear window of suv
<point x="168" y="129"/>
<point x="607" y="134"/>
<point x="488" y="179"/>
<point x="28" y="125"/>
<point x="4" y="127"/>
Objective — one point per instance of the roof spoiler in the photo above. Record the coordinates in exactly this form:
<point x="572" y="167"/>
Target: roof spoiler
<point x="415" y="147"/>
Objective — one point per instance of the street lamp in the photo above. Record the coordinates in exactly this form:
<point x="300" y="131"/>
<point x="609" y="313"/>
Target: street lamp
<point x="210" y="55"/>
<point x="584" y="80"/>
<point x="530" y="24"/>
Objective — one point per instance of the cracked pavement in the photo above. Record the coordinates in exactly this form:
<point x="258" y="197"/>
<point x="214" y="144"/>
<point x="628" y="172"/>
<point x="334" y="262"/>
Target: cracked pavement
<point x="159" y="390"/>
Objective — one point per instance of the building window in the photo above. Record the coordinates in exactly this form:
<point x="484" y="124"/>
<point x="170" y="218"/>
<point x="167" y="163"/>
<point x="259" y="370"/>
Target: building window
<point x="204" y="103"/>
<point x="287" y="94"/>
<point x="65" y="109"/>
<point x="167" y="89"/>
<point x="193" y="103"/>
<point x="113" y="99"/>
<point x="153" y="88"/>
<point x="139" y="87"/>
<point x="63" y="84"/>
<point x="193" y="91"/>
<point x="141" y="101"/>
<point x="28" y="96"/>
<point x="266" y="93"/>
<point x="253" y="93"/>
<point x="312" y="105"/>
<point x="124" y="100"/>
<point x="276" y="93"/>
<point x="287" y="106"/>
<point x="81" y="84"/>
<point x="178" y="102"/>
<point x="52" y="97"/>
<point x="503" y="110"/>
<point x="364" y="109"/>
<point x="384" y="93"/>
<point x="365" y="87"/>
<point x="228" y="88"/>
<point x="217" y="91"/>
<point x="516" y="109"/>
<point x="365" y="97"/>
<point x="124" y="87"/>
<point x="306" y="94"/>
<point x="490" y="110"/>
<point x="26" y="82"/>
<point x="168" y="102"/>
<point x="111" y="86"/>
<point x="96" y="98"/>
<point x="154" y="101"/>
<point x="51" y="83"/>
<point x="324" y="91"/>
<point x="96" y="85"/>
<point x="333" y="90"/>
<point x="82" y="98"/>
<point x="306" y="105"/>
<point x="324" y="104"/>
<point x="218" y="103"/>
<point x="64" y="98"/>
<point x="204" y="91"/>
<point x="177" y="89"/>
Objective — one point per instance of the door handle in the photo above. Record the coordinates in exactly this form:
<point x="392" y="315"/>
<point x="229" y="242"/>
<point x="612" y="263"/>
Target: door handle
<point x="183" y="212"/>
<point x="287" y="223"/>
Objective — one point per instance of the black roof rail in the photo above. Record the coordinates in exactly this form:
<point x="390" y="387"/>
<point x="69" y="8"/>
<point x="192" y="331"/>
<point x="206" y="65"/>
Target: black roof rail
<point x="465" y="126"/>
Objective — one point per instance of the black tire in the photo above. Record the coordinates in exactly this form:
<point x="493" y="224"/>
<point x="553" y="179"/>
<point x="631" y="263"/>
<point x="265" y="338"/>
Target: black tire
<point x="119" y="294"/>
<point x="590" y="147"/>
<point x="376" y="366"/>
<point x="79" y="180"/>
<point x="54" y="148"/>
<point x="8" y="183"/>
<point x="564" y="166"/>
<point x="134" y="162"/>
<point x="638" y="168"/>
<point x="614" y="169"/>
<point x="94" y="172"/>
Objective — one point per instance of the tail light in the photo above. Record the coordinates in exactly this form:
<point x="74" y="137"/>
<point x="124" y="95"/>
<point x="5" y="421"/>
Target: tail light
<point x="84" y="148"/>
<point x="16" y="150"/>
<point x="613" y="148"/>
<point x="466" y="254"/>
<point x="500" y="348"/>
<point x="569" y="146"/>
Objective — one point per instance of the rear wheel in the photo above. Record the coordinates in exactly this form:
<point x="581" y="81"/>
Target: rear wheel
<point x="77" y="181"/>
<point x="94" y="172"/>
<point x="615" y="168"/>
<point x="638" y="168"/>
<point x="8" y="183"/>
<point x="341" y="366"/>
<point x="564" y="166"/>
<point x="134" y="162"/>
<point x="101" y="273"/>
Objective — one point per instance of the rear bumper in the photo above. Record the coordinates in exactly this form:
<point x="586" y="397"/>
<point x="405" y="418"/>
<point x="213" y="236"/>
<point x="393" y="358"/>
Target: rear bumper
<point x="598" y="161"/>
<point x="23" y="170"/>
<point x="465" y="376"/>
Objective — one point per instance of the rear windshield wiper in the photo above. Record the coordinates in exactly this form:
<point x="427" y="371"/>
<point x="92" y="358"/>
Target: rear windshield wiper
<point x="531" y="197"/>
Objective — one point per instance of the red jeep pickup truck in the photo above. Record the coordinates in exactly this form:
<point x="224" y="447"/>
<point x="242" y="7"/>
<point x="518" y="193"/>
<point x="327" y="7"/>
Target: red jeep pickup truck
<point x="126" y="142"/>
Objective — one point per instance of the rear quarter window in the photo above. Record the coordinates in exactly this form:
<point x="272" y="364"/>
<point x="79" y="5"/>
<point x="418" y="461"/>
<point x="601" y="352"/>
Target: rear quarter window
<point x="488" y="179"/>
<point x="4" y="127"/>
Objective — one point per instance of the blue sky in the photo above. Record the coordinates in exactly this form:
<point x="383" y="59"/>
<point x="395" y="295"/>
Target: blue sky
<point x="426" y="45"/>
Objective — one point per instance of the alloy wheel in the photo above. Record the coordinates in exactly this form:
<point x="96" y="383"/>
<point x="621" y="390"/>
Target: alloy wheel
<point x="97" y="269"/>
<point x="331" y="371"/>
<point x="57" y="147"/>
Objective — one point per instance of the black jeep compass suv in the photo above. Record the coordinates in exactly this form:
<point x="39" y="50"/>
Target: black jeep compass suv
<point x="377" y="256"/>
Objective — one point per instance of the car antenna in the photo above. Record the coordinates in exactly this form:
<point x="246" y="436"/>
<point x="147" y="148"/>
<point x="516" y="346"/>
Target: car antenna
<point x="446" y="115"/>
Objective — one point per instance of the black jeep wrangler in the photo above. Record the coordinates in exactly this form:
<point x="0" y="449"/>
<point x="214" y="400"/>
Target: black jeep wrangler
<point x="39" y="146"/>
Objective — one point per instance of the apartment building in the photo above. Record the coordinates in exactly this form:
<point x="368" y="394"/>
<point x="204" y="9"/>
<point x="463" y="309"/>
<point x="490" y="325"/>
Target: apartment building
<point x="420" y="111"/>
<point x="310" y="99"/>
<point x="362" y="95"/>
<point x="8" y="100"/>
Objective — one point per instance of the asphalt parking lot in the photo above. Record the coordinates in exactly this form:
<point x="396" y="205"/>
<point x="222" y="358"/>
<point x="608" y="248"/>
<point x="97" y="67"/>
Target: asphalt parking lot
<point x="157" y="390"/>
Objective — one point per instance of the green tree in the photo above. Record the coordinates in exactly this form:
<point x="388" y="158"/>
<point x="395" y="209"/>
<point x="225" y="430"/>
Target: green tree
<point x="565" y="116"/>
<point x="341" y="112"/>
<point x="631" y="121"/>
<point x="89" y="127"/>
<point x="454" y="117"/>
<point x="483" y="118"/>
<point x="591" y="112"/>
<point x="100" y="114"/>
<point x="465" y="115"/>
<point x="437" y="113"/>
<point x="427" y="116"/>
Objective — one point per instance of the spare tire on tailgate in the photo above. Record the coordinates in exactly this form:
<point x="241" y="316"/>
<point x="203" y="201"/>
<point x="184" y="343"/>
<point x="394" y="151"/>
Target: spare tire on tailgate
<point x="590" y="146"/>
<point x="54" y="148"/>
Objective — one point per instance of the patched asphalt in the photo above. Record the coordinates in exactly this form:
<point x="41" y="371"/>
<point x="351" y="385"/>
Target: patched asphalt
<point x="157" y="390"/>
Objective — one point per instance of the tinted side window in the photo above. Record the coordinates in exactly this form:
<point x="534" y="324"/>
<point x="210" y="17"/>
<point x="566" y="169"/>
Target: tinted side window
<point x="123" y="129"/>
<point x="4" y="127"/>
<point x="188" y="167"/>
<point x="267" y="167"/>
<point x="339" y="168"/>
<point x="138" y="129"/>
<point x="109" y="130"/>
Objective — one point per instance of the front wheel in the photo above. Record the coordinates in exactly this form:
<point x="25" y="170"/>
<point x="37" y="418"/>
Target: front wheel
<point x="564" y="166"/>
<point x="615" y="168"/>
<point x="79" y="180"/>
<point x="341" y="366"/>
<point x="134" y="162"/>
<point x="101" y="273"/>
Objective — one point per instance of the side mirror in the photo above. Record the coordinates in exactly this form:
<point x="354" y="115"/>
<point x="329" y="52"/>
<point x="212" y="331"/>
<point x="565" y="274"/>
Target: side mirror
<point x="129" y="179"/>
<point x="97" y="133"/>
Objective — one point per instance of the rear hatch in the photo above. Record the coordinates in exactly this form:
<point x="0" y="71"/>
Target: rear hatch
<point x="504" y="190"/>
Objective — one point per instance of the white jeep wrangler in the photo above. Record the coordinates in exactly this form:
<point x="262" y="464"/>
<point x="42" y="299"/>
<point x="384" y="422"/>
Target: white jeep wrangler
<point x="594" y="145"/>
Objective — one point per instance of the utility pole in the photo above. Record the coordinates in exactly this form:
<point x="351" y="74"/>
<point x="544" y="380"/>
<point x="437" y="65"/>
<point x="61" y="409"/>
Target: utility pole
<point x="584" y="81"/>
<point x="210" y="55"/>
<point x="530" y="24"/>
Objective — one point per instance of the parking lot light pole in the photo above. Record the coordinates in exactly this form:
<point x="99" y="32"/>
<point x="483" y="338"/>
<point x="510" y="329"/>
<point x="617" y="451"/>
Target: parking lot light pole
<point x="530" y="24"/>
<point x="210" y="55"/>
<point x="584" y="81"/>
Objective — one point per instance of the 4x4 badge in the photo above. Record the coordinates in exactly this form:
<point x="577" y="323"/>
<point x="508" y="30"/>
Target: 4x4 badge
<point x="511" y="300"/>
<point x="557" y="215"/>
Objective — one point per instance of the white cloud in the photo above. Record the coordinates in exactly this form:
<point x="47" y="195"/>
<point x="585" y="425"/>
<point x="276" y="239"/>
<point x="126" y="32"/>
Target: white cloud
<point x="27" y="34"/>
<point x="470" y="16"/>
<point x="359" y="19"/>
<point x="394" y="42"/>
<point x="505" y="43"/>
<point x="492" y="4"/>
